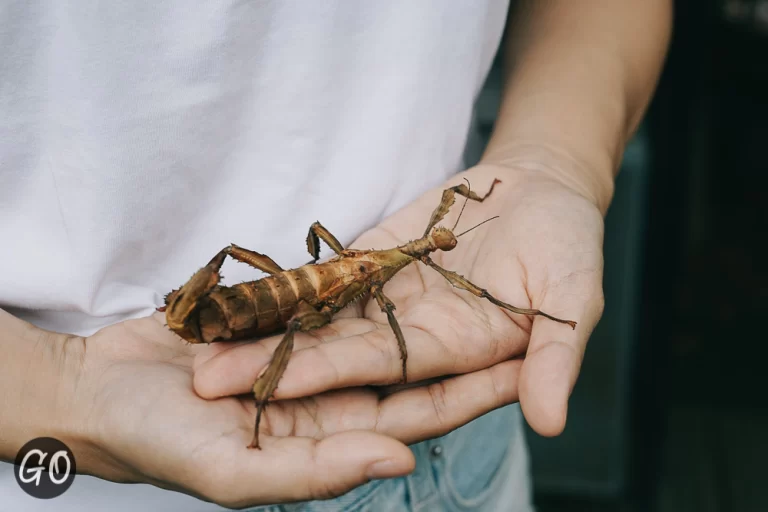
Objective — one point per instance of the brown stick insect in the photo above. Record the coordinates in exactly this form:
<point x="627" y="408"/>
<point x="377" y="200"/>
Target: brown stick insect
<point x="306" y="298"/>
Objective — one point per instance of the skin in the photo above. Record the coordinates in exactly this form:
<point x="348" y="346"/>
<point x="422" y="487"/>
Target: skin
<point x="137" y="405"/>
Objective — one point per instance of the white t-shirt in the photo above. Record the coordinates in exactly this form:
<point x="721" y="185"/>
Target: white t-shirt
<point x="140" y="137"/>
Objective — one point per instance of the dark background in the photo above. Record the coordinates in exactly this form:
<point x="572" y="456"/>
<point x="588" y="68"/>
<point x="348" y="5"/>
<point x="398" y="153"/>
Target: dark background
<point x="670" y="413"/>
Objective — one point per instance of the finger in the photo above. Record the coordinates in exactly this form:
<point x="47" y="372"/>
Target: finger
<point x="301" y="469"/>
<point x="231" y="368"/>
<point x="369" y="358"/>
<point x="446" y="345"/>
<point x="555" y="353"/>
<point x="436" y="409"/>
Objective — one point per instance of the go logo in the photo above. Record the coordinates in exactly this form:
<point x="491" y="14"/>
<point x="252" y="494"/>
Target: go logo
<point x="45" y="468"/>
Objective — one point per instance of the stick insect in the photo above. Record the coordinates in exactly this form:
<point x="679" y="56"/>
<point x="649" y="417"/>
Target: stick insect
<point x="306" y="298"/>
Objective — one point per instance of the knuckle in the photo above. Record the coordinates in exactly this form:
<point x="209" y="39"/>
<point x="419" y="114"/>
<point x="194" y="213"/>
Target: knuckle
<point x="334" y="375"/>
<point x="595" y="299"/>
<point x="438" y="395"/>
<point x="600" y="303"/>
<point x="497" y="385"/>
<point x="389" y="353"/>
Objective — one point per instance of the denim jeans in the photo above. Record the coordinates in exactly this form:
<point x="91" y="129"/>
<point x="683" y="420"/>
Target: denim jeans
<point x="481" y="467"/>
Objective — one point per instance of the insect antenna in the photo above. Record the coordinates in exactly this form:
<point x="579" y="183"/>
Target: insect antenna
<point x="464" y="205"/>
<point x="477" y="226"/>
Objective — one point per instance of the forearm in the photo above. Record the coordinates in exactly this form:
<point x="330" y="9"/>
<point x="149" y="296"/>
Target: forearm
<point x="578" y="79"/>
<point x="33" y="384"/>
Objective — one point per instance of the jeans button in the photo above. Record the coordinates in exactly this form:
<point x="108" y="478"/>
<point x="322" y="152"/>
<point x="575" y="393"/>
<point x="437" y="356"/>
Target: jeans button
<point x="436" y="451"/>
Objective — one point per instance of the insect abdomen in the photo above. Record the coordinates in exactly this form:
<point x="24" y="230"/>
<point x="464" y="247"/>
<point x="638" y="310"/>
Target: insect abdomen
<point x="263" y="306"/>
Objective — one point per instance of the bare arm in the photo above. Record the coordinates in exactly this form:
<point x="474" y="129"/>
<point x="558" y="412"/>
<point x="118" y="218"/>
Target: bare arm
<point x="33" y="383"/>
<point x="579" y="76"/>
<point x="126" y="407"/>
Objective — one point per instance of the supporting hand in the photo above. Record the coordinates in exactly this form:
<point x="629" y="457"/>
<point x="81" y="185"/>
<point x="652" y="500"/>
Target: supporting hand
<point x="544" y="252"/>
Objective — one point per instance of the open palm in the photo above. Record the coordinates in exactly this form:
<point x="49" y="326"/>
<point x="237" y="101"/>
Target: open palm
<point x="136" y="406"/>
<point x="544" y="252"/>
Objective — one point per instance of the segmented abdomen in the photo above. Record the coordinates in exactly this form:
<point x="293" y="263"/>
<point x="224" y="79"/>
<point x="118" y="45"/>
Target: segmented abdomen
<point x="264" y="306"/>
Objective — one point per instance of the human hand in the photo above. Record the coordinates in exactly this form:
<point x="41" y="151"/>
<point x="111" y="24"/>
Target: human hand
<point x="544" y="252"/>
<point x="128" y="410"/>
<point x="131" y="415"/>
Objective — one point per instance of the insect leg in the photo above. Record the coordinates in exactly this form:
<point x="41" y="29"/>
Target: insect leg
<point x="316" y="232"/>
<point x="305" y="319"/>
<point x="462" y="283"/>
<point x="449" y="198"/>
<point x="255" y="259"/>
<point x="387" y="306"/>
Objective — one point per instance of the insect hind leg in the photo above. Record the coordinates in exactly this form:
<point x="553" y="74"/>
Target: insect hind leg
<point x="318" y="232"/>
<point x="463" y="283"/>
<point x="388" y="308"/>
<point x="305" y="319"/>
<point x="254" y="259"/>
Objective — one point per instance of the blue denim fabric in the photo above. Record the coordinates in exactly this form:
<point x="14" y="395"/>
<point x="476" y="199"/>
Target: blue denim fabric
<point x="480" y="467"/>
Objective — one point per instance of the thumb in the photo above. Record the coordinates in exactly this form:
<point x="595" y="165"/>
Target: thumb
<point x="301" y="469"/>
<point x="554" y="356"/>
<point x="349" y="459"/>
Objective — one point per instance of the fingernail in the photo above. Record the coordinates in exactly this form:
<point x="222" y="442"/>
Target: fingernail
<point x="389" y="468"/>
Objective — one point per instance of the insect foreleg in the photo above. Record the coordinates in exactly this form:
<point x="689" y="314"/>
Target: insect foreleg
<point x="305" y="319"/>
<point x="316" y="232"/>
<point x="387" y="306"/>
<point x="462" y="283"/>
<point x="449" y="196"/>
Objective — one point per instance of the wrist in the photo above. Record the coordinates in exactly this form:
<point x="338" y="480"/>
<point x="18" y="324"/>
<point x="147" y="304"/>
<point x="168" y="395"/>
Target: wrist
<point x="38" y="376"/>
<point x="593" y="180"/>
